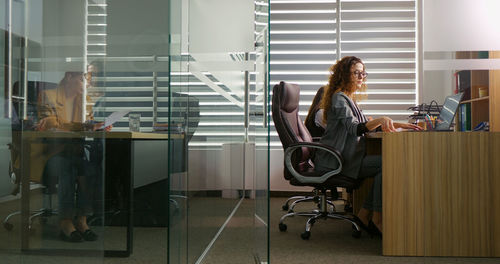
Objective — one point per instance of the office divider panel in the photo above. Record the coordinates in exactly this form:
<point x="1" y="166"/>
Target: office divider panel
<point x="68" y="66"/>
<point x="184" y="163"/>
<point x="53" y="168"/>
<point x="213" y="82"/>
<point x="260" y="130"/>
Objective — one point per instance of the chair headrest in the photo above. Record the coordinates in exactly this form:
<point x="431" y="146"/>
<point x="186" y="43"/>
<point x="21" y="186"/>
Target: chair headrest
<point x="290" y="99"/>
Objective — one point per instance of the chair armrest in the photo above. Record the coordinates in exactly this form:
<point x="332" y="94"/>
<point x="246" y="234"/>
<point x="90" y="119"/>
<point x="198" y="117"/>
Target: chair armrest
<point x="303" y="179"/>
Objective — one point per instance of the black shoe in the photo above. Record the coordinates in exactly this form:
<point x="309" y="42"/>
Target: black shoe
<point x="360" y="224"/>
<point x="89" y="235"/>
<point x="75" y="236"/>
<point x="374" y="229"/>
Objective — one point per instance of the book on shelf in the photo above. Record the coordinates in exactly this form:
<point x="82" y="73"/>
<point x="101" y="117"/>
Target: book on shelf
<point x="465" y="117"/>
<point x="463" y="83"/>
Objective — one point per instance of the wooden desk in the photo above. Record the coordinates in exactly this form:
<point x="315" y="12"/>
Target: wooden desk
<point x="124" y="139"/>
<point x="441" y="194"/>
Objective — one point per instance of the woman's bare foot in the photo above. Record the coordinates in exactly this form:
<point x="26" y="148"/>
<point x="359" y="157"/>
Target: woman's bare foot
<point x="67" y="226"/>
<point x="81" y="224"/>
<point x="364" y="216"/>
<point x="377" y="220"/>
<point x="84" y="229"/>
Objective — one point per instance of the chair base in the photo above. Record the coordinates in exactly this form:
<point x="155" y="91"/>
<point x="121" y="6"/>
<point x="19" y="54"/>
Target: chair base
<point x="291" y="202"/>
<point x="322" y="212"/>
<point x="42" y="213"/>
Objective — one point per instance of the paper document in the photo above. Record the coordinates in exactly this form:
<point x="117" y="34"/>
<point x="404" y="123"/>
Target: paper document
<point x="114" y="117"/>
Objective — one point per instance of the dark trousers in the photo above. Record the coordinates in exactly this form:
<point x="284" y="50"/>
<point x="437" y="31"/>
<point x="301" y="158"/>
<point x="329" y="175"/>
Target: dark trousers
<point x="79" y="181"/>
<point x="371" y="166"/>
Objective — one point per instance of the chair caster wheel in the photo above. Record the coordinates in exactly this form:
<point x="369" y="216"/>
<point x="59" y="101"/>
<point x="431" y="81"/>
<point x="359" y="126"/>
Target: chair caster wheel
<point x="356" y="233"/>
<point x="285" y="207"/>
<point x="8" y="226"/>
<point x="282" y="227"/>
<point x="306" y="235"/>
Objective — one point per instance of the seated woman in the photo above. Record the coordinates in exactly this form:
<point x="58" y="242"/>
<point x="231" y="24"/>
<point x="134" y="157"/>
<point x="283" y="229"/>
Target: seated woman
<point x="314" y="119"/>
<point x="345" y="129"/>
<point x="61" y="109"/>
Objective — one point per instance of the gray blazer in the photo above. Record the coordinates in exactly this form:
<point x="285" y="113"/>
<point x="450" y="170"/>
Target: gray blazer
<point x="341" y="133"/>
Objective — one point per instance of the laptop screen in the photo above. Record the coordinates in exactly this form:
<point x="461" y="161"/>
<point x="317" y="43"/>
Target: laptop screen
<point x="448" y="111"/>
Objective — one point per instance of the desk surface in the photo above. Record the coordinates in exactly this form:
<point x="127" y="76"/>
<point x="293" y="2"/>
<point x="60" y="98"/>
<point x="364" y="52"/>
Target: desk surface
<point x="98" y="134"/>
<point x="374" y="135"/>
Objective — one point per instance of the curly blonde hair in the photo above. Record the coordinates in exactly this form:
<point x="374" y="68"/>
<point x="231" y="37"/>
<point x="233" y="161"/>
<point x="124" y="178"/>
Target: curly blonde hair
<point x="340" y="81"/>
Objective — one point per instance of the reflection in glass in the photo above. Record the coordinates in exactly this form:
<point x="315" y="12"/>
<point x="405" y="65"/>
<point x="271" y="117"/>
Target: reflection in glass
<point x="215" y="72"/>
<point x="82" y="191"/>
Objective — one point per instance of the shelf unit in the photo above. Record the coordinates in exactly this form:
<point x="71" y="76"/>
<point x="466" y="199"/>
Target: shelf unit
<point x="494" y="94"/>
<point x="481" y="96"/>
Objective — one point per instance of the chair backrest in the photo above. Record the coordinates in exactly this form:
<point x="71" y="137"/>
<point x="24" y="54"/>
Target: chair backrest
<point x="19" y="124"/>
<point x="285" y="113"/>
<point x="310" y="122"/>
<point x="33" y="93"/>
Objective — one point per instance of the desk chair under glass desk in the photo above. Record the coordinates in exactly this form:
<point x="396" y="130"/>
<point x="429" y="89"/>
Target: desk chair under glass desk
<point x="124" y="139"/>
<point x="440" y="193"/>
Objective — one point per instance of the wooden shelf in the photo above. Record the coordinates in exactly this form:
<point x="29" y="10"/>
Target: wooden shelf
<point x="474" y="109"/>
<point x="475" y="100"/>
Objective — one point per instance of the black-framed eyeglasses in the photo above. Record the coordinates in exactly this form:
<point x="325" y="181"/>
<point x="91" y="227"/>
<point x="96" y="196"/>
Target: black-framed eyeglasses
<point x="363" y="74"/>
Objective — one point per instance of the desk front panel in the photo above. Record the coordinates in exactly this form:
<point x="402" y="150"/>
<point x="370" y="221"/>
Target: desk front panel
<point x="440" y="194"/>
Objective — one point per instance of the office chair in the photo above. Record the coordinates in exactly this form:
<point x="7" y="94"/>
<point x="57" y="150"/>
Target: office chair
<point x="299" y="169"/>
<point x="316" y="132"/>
<point x="18" y="124"/>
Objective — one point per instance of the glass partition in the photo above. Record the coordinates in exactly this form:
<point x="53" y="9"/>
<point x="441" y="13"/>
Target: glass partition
<point x="53" y="149"/>
<point x="219" y="80"/>
<point x="134" y="129"/>
<point x="260" y="116"/>
<point x="85" y="84"/>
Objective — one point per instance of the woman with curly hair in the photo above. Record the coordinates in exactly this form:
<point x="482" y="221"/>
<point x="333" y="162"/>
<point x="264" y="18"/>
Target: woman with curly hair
<point x="345" y="130"/>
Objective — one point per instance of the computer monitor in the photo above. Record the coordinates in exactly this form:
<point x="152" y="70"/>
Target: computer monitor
<point x="448" y="111"/>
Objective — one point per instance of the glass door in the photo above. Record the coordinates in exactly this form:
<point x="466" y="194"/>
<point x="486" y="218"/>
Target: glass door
<point x="259" y="116"/>
<point x="78" y="188"/>
<point x="218" y="80"/>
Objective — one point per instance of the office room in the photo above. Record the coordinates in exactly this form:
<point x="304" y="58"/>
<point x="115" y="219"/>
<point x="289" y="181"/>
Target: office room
<point x="163" y="131"/>
<point x="408" y="64"/>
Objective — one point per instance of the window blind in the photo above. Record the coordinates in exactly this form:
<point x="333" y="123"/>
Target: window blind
<point x="383" y="35"/>
<point x="303" y="45"/>
<point x="304" y="37"/>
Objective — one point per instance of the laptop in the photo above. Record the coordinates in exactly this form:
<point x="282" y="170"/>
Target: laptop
<point x="448" y="112"/>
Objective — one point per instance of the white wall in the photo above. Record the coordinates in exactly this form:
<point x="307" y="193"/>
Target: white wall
<point x="221" y="26"/>
<point x="461" y="25"/>
<point x="450" y="26"/>
<point x="137" y="28"/>
<point x="63" y="36"/>
<point x="208" y="170"/>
